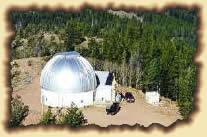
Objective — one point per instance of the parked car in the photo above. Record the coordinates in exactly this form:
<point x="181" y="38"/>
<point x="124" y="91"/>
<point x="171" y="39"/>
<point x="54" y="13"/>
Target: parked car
<point x="129" y="97"/>
<point x="113" y="109"/>
<point x="122" y="96"/>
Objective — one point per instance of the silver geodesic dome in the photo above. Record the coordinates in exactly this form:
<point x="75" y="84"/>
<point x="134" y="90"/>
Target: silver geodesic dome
<point x="68" y="72"/>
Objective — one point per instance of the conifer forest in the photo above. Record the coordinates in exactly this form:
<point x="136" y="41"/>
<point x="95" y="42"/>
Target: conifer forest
<point x="145" y="50"/>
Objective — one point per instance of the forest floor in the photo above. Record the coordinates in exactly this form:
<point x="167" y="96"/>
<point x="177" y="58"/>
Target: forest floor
<point x="139" y="112"/>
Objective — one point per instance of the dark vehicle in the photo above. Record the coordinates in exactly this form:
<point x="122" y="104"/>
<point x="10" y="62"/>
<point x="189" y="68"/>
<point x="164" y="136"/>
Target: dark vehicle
<point x="122" y="96"/>
<point x="113" y="109"/>
<point x="129" y="97"/>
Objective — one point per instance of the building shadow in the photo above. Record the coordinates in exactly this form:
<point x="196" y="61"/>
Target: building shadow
<point x="97" y="80"/>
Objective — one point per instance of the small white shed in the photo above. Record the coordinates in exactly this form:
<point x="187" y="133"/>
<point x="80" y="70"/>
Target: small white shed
<point x="152" y="97"/>
<point x="104" y="91"/>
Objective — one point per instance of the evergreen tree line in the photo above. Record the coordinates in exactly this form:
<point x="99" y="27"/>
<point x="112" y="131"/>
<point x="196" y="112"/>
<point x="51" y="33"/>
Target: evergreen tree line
<point x="176" y="22"/>
<point x="155" y="54"/>
<point x="156" y="65"/>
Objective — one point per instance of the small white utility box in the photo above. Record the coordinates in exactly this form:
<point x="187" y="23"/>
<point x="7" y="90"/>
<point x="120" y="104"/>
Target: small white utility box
<point x="152" y="97"/>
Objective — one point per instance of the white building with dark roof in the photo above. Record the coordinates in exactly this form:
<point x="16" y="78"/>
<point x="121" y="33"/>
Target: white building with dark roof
<point x="105" y="92"/>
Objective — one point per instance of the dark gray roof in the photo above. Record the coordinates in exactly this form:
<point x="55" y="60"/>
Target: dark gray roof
<point x="104" y="77"/>
<point x="70" y="53"/>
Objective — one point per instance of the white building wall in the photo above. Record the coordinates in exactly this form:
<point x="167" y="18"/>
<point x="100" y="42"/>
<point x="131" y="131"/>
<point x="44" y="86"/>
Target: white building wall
<point x="152" y="97"/>
<point x="103" y="94"/>
<point x="55" y="99"/>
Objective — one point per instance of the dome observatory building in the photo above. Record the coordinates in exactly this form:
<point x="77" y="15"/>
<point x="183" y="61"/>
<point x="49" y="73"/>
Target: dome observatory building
<point x="68" y="78"/>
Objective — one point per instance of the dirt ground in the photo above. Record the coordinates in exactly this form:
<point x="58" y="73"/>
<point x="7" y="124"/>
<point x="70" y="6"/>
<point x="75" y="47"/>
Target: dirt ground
<point x="30" y="93"/>
<point x="139" y="112"/>
<point x="132" y="113"/>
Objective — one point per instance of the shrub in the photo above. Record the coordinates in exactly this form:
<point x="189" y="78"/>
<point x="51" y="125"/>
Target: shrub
<point x="185" y="108"/>
<point x="18" y="112"/>
<point x="73" y="117"/>
<point x="47" y="118"/>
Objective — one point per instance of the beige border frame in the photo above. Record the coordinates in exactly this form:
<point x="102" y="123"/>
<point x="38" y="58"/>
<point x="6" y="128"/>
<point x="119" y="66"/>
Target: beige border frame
<point x="197" y="119"/>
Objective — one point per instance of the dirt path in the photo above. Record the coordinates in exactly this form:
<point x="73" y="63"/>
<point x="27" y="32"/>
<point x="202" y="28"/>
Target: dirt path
<point x="30" y="93"/>
<point x="31" y="97"/>
<point x="131" y="113"/>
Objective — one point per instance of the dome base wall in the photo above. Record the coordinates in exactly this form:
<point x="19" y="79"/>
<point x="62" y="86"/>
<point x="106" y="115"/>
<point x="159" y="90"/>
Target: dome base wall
<point x="57" y="99"/>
